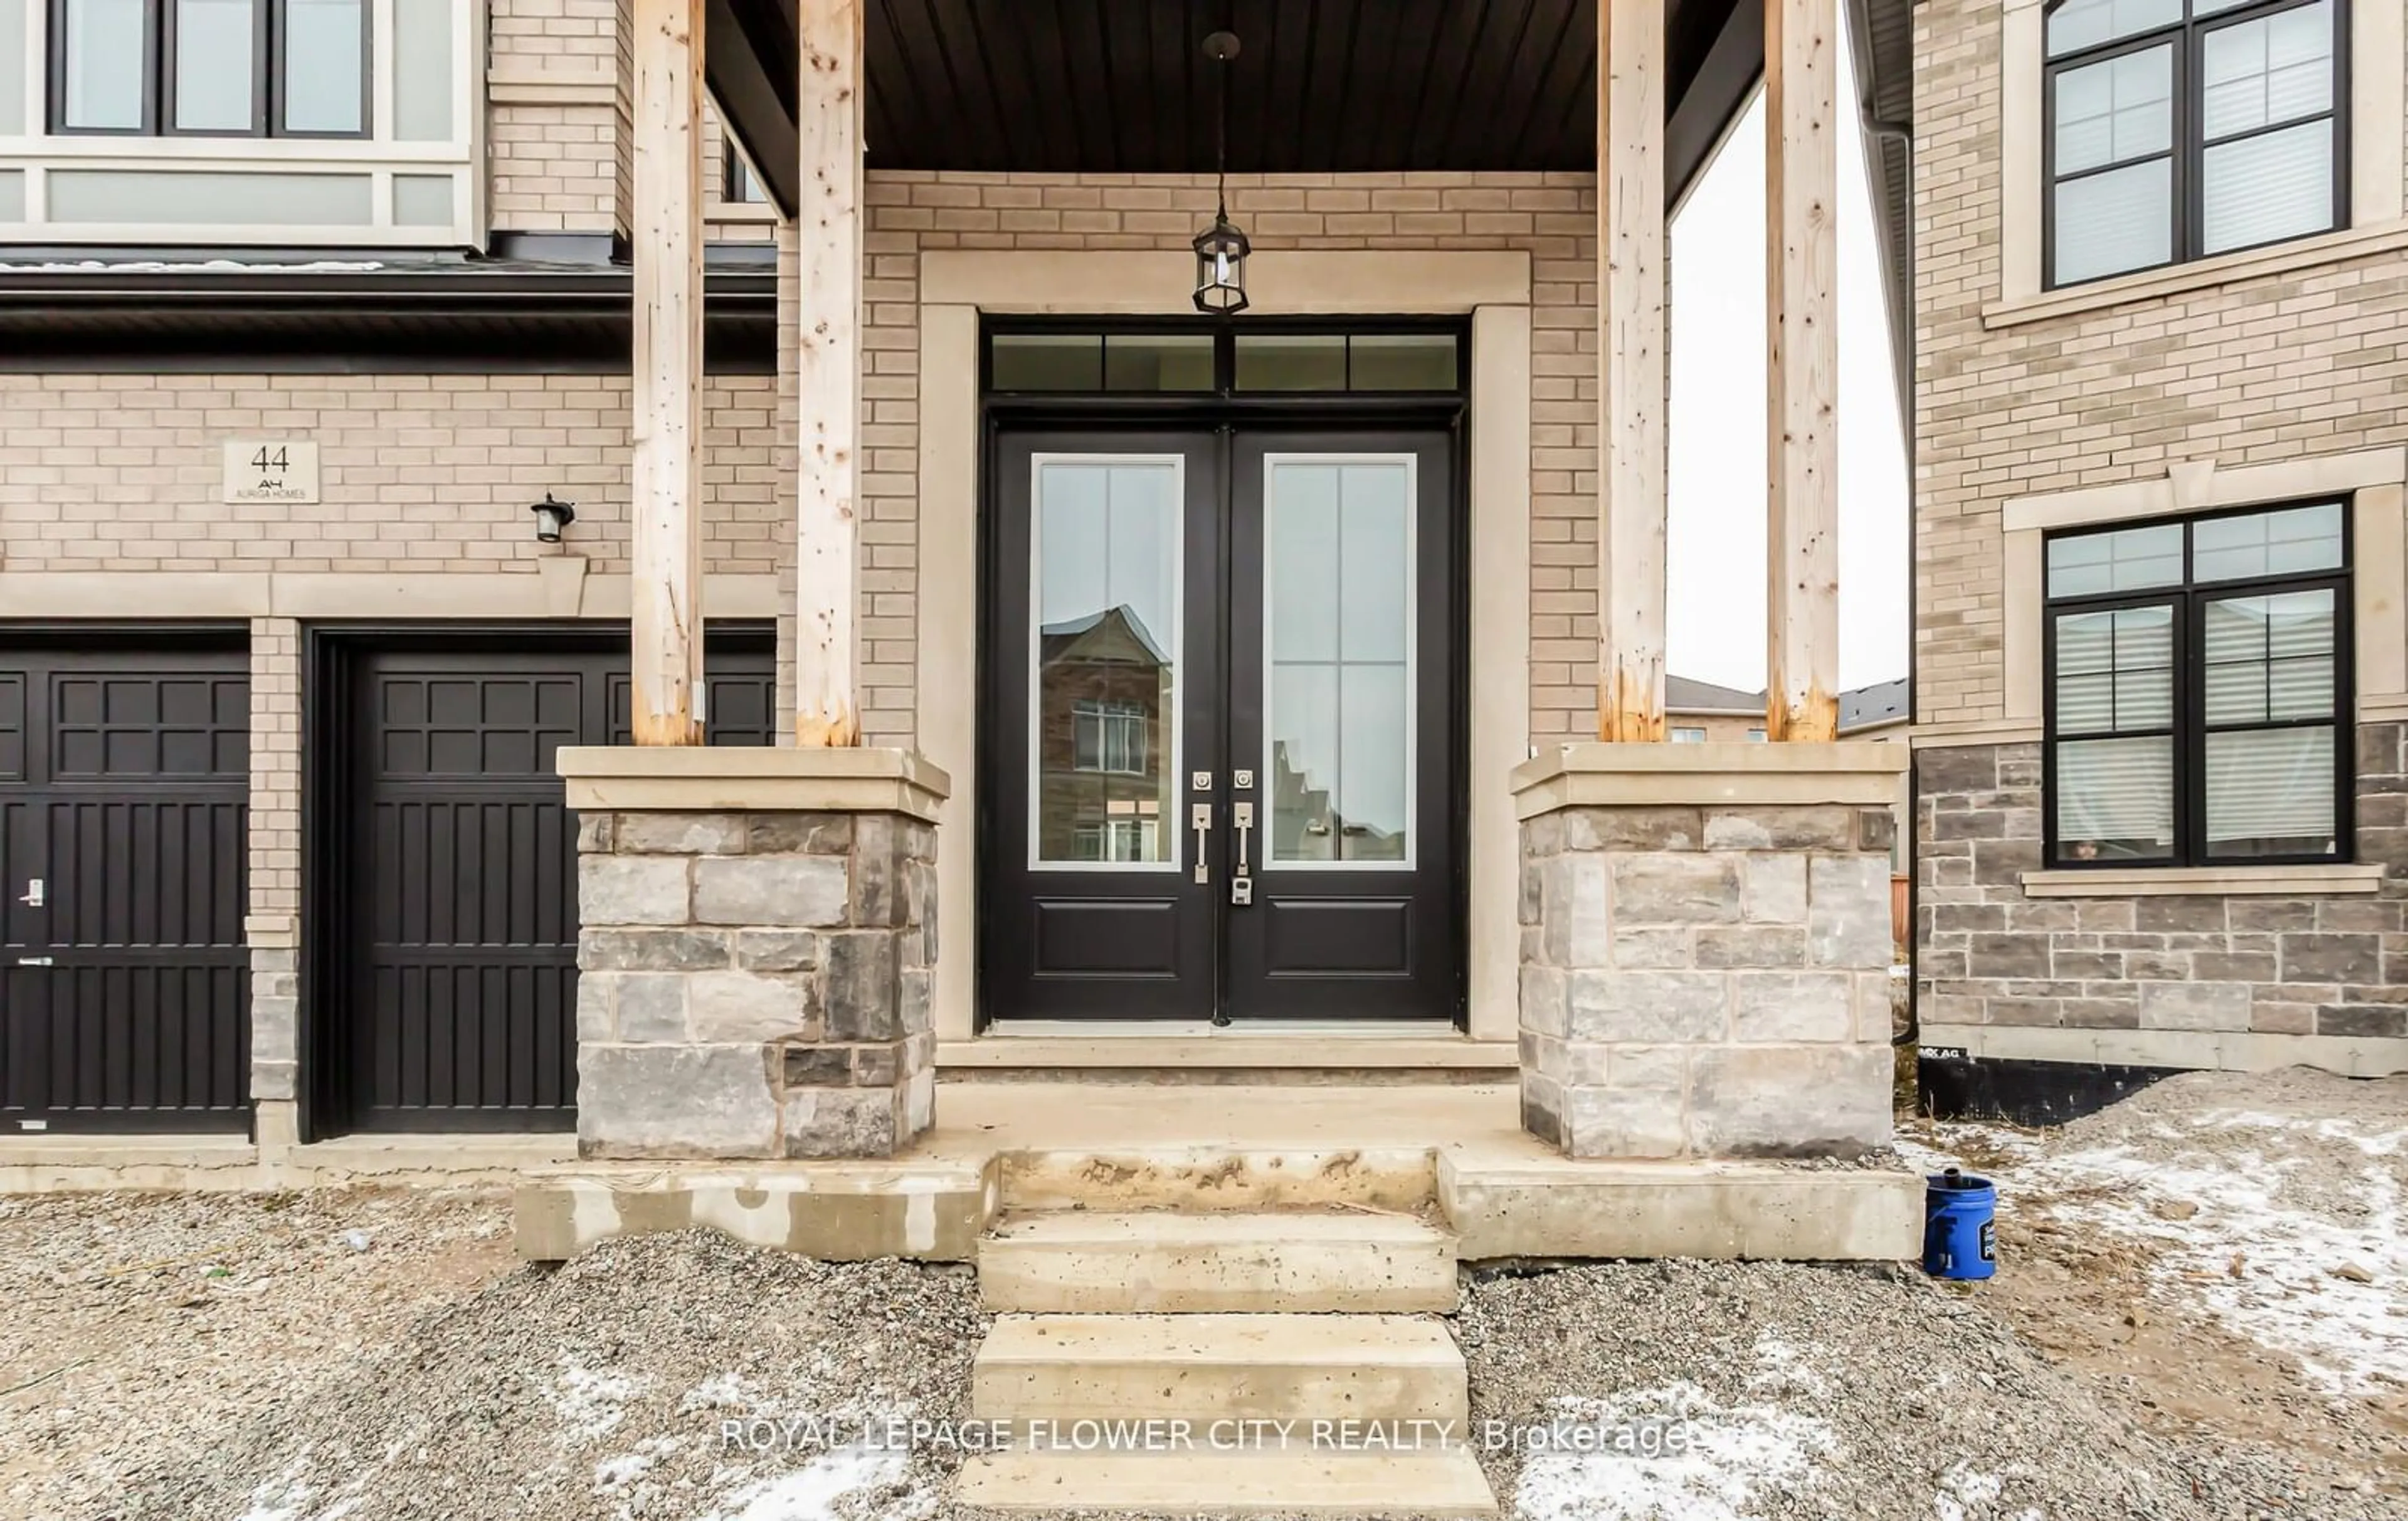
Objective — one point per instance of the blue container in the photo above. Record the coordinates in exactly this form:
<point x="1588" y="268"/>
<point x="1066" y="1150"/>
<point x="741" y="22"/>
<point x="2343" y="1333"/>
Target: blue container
<point x="1960" y="1238"/>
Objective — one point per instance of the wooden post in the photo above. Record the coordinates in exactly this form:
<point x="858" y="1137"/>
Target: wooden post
<point x="1630" y="315"/>
<point x="666" y="615"/>
<point x="1802" y="162"/>
<point x="828" y="114"/>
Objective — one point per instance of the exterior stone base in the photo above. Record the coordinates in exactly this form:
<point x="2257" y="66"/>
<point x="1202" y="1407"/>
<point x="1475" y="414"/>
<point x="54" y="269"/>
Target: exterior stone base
<point x="755" y="980"/>
<point x="1705" y="969"/>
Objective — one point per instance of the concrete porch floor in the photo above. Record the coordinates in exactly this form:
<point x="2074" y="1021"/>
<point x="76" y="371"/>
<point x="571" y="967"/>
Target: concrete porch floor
<point x="1456" y="1155"/>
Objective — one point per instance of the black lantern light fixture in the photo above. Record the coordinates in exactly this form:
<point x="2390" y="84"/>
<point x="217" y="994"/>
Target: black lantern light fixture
<point x="552" y="519"/>
<point x="1221" y="249"/>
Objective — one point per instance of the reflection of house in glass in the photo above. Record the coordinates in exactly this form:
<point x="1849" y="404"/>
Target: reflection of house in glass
<point x="1306" y="827"/>
<point x="1103" y="747"/>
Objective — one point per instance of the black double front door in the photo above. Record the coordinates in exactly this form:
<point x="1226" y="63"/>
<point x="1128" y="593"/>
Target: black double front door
<point x="1217" y="732"/>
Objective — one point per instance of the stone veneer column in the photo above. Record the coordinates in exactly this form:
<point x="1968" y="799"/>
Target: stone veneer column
<point x="1706" y="944"/>
<point x="758" y="931"/>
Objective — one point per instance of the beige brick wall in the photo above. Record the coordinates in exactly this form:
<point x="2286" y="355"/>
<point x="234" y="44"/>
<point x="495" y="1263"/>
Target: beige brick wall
<point x="1552" y="217"/>
<point x="559" y="163"/>
<point x="416" y="472"/>
<point x="2255" y="371"/>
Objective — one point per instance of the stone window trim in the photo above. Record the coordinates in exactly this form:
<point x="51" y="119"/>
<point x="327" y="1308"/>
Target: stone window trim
<point x="51" y="165"/>
<point x="2326" y="880"/>
<point x="2377" y="72"/>
<point x="2374" y="482"/>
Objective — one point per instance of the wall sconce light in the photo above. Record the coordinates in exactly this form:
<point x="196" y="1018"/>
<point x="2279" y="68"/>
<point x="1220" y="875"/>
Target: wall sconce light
<point x="552" y="518"/>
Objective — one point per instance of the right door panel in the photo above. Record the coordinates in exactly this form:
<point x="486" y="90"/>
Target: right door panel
<point x="1341" y="680"/>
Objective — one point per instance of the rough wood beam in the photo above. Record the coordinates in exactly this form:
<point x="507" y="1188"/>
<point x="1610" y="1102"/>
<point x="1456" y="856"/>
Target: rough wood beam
<point x="1801" y="39"/>
<point x="829" y="372"/>
<point x="1632" y="470"/>
<point x="666" y="553"/>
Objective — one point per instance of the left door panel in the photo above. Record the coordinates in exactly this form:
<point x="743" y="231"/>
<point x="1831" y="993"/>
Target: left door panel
<point x="125" y="786"/>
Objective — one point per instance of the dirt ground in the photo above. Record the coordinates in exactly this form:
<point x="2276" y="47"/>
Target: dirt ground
<point x="2199" y="1314"/>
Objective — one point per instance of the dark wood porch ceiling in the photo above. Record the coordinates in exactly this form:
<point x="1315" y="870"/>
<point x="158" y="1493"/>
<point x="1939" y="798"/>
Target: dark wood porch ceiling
<point x="1320" y="86"/>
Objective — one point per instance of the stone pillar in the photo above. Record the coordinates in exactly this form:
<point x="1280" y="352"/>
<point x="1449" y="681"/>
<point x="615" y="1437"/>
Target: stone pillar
<point x="1706" y="948"/>
<point x="759" y="927"/>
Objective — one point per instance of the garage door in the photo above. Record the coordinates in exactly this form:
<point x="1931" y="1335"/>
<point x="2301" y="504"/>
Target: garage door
<point x="459" y="1008"/>
<point x="124" y="775"/>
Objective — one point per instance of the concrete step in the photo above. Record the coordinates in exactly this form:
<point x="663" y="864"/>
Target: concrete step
<point x="1088" y="1263"/>
<point x="1390" y="1368"/>
<point x="1432" y="1482"/>
<point x="1403" y="1179"/>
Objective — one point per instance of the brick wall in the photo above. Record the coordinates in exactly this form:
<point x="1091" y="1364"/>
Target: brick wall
<point x="2272" y="964"/>
<point x="1552" y="217"/>
<point x="560" y="163"/>
<point x="2251" y="372"/>
<point x="418" y="473"/>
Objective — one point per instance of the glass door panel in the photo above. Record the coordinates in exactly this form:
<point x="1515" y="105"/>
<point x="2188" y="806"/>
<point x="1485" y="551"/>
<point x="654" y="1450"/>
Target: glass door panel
<point x="1338" y="700"/>
<point x="1105" y="638"/>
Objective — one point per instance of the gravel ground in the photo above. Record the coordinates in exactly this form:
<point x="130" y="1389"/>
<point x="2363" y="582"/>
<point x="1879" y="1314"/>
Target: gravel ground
<point x="214" y="1358"/>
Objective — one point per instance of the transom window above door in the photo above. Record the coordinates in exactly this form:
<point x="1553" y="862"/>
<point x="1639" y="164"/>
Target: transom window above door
<point x="2199" y="691"/>
<point x="1200" y="358"/>
<point x="2181" y="129"/>
<point x="240" y="68"/>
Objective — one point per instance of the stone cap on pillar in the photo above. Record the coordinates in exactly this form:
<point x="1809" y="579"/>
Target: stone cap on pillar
<point x="702" y="779"/>
<point x="1862" y="772"/>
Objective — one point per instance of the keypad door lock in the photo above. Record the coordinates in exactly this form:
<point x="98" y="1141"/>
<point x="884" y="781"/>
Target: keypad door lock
<point x="1242" y="891"/>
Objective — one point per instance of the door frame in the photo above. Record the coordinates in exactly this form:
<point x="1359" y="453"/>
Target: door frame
<point x="1225" y="412"/>
<point x="331" y="654"/>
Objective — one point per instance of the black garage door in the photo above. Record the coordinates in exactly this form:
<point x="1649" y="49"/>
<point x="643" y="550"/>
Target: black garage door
<point x="124" y="988"/>
<point x="457" y="995"/>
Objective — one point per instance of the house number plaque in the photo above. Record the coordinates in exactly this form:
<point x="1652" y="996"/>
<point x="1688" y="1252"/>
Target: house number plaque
<point x="270" y="470"/>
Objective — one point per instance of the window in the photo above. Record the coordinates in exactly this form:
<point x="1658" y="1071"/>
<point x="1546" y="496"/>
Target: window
<point x="1108" y="737"/>
<point x="1756" y="737"/>
<point x="242" y="68"/>
<point x="2178" y="129"/>
<point x="1116" y="839"/>
<point x="1688" y="736"/>
<point x="736" y="175"/>
<point x="2198" y="684"/>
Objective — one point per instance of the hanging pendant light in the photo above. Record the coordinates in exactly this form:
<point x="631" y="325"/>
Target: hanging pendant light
<point x="1221" y="249"/>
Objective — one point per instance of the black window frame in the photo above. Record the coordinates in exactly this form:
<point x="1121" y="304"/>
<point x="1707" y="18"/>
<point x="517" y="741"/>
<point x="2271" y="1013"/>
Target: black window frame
<point x="2189" y="729"/>
<point x="1223" y="332"/>
<point x="267" y="95"/>
<point x="2188" y="152"/>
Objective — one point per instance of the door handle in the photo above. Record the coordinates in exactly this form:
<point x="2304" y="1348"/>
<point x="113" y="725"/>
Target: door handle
<point x="1243" y="815"/>
<point x="1201" y="816"/>
<point x="36" y="895"/>
<point x="34" y="961"/>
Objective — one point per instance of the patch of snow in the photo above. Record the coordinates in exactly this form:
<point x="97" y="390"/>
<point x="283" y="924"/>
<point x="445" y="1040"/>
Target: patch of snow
<point x="2287" y="1295"/>
<point x="1784" y="1369"/>
<point x="284" y="1497"/>
<point x="1734" y="1453"/>
<point x="615" y="1473"/>
<point x="1966" y="1494"/>
<point x="195" y="267"/>
<point x="809" y="1493"/>
<point x="721" y="1391"/>
<point x="590" y="1404"/>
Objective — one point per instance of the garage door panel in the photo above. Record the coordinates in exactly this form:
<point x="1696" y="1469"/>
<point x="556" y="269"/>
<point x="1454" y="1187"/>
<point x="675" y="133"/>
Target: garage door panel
<point x="461" y="1010"/>
<point x="123" y="788"/>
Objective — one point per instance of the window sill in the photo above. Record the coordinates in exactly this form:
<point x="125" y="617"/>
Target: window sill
<point x="2205" y="881"/>
<point x="2198" y="275"/>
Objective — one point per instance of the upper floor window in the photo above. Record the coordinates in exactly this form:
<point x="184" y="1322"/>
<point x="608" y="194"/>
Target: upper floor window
<point x="2178" y="129"/>
<point x="1688" y="736"/>
<point x="283" y="69"/>
<point x="2197" y="688"/>
<point x="1108" y="737"/>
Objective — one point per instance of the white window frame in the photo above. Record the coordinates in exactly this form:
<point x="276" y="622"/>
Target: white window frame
<point x="28" y="147"/>
<point x="2377" y="72"/>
